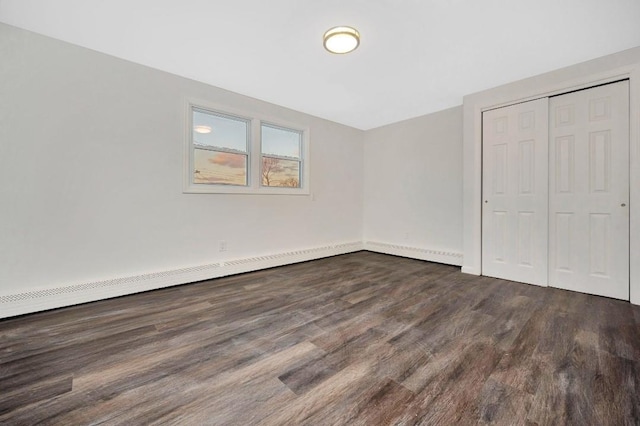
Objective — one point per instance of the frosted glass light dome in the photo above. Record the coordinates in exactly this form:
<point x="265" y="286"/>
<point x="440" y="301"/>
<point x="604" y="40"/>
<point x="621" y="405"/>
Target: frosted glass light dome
<point x="341" y="39"/>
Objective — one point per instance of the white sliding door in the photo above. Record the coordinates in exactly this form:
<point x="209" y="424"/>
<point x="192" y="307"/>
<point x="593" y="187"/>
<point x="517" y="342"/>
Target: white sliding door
<point x="589" y="191"/>
<point x="515" y="192"/>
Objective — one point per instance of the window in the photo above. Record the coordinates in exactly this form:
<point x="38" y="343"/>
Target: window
<point x="235" y="152"/>
<point x="220" y="148"/>
<point x="281" y="149"/>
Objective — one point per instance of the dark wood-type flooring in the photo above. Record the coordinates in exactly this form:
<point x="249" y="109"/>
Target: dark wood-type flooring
<point x="358" y="339"/>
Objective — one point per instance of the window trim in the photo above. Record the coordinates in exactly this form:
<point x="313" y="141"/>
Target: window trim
<point x="254" y="153"/>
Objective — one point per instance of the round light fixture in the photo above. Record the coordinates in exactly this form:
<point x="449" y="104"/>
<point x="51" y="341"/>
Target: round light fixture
<point x="202" y="129"/>
<point x="341" y="39"/>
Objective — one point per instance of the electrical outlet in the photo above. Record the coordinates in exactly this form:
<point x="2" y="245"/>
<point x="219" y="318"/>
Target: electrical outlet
<point x="223" y="245"/>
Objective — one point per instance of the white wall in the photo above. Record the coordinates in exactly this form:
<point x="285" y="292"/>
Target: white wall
<point x="91" y="157"/>
<point x="413" y="187"/>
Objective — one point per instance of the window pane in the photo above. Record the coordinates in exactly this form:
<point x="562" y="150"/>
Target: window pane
<point x="219" y="167"/>
<point x="281" y="142"/>
<point x="217" y="131"/>
<point x="279" y="172"/>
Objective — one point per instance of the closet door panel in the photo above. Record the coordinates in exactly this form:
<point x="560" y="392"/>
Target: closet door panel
<point x="589" y="191"/>
<point x="515" y="181"/>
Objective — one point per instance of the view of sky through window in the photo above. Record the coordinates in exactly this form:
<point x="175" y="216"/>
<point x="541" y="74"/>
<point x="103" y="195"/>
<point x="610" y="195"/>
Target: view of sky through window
<point x="280" y="142"/>
<point x="222" y="132"/>
<point x="220" y="149"/>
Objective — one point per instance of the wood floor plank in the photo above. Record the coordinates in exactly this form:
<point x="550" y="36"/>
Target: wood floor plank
<point x="500" y="404"/>
<point x="383" y="405"/>
<point x="34" y="393"/>
<point x="358" y="339"/>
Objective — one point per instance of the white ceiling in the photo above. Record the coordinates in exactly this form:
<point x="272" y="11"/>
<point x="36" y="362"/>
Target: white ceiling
<point x="415" y="57"/>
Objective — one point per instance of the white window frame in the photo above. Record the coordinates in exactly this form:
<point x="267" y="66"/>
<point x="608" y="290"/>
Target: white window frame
<point x="254" y="166"/>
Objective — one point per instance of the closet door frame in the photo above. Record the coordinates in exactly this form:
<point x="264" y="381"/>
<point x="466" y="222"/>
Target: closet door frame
<point x="578" y="77"/>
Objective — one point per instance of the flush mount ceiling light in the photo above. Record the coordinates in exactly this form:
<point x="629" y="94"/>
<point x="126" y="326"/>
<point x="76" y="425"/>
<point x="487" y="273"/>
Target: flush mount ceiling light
<point x="341" y="39"/>
<point x="202" y="129"/>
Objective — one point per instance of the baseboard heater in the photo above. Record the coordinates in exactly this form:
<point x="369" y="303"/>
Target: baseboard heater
<point x="58" y="297"/>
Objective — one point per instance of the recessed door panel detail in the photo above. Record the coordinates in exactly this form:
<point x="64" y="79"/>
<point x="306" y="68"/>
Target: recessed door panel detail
<point x="600" y="161"/>
<point x="563" y="239"/>
<point x="526" y="166"/>
<point x="527" y="120"/>
<point x="499" y="236"/>
<point x="565" y="164"/>
<point x="500" y="169"/>
<point x="525" y="238"/>
<point x="600" y="109"/>
<point x="599" y="244"/>
<point x="565" y="115"/>
<point x="500" y="125"/>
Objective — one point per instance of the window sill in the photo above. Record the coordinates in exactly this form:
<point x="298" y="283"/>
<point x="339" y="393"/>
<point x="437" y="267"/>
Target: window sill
<point x="214" y="189"/>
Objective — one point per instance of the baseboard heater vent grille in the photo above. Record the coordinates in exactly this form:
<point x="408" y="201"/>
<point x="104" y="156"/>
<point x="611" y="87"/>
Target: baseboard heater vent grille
<point x="106" y="283"/>
<point x="441" y="256"/>
<point x="39" y="300"/>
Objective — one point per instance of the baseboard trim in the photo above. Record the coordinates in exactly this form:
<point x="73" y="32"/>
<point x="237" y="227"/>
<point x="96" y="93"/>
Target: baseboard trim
<point x="58" y="297"/>
<point x="470" y="270"/>
<point x="440" y="256"/>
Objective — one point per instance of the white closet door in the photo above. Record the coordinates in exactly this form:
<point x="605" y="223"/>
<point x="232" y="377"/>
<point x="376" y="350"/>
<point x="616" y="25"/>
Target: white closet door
<point x="515" y="192"/>
<point x="589" y="191"/>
